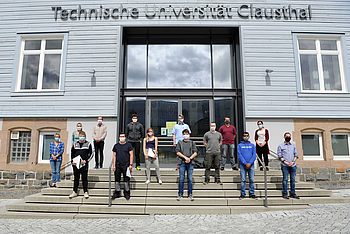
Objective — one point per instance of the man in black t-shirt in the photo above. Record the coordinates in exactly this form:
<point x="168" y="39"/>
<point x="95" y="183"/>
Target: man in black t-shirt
<point x="122" y="160"/>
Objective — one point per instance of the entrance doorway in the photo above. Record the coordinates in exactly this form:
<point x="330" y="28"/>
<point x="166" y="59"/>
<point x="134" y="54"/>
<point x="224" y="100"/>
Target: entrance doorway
<point x="189" y="71"/>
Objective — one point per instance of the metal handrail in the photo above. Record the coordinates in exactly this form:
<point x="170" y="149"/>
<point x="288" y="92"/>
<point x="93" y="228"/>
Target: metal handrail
<point x="274" y="155"/>
<point x="265" y="181"/>
<point x="110" y="185"/>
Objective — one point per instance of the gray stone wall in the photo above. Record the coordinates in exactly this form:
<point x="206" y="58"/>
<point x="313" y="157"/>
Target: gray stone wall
<point x="27" y="179"/>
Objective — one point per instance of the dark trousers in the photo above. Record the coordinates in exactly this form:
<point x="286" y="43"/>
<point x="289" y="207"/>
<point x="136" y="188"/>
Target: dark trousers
<point x="121" y="170"/>
<point x="99" y="153"/>
<point x="84" y="177"/>
<point x="212" y="159"/>
<point x="136" y="146"/>
<point x="263" y="154"/>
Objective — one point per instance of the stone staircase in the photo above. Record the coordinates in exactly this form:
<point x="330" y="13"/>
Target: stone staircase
<point x="161" y="199"/>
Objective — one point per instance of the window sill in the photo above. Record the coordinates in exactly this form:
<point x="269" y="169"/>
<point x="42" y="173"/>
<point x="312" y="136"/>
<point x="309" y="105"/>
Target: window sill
<point x="308" y="158"/>
<point x="36" y="93"/>
<point x="325" y="95"/>
<point x="344" y="158"/>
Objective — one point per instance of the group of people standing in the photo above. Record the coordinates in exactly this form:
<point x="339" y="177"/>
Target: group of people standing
<point x="218" y="144"/>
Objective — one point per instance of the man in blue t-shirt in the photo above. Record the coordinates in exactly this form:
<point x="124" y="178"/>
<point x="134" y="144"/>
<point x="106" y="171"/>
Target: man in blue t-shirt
<point x="122" y="160"/>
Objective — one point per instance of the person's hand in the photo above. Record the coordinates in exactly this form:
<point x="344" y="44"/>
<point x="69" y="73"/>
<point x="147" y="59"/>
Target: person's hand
<point x="113" y="168"/>
<point x="146" y="156"/>
<point x="248" y="165"/>
<point x="187" y="160"/>
<point x="130" y="168"/>
<point x="83" y="161"/>
<point x="54" y="158"/>
<point x="73" y="163"/>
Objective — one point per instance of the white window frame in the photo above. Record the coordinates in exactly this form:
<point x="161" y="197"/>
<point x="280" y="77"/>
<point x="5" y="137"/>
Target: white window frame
<point x="320" y="142"/>
<point x="41" y="144"/>
<point x="318" y="52"/>
<point x="341" y="157"/>
<point x="42" y="52"/>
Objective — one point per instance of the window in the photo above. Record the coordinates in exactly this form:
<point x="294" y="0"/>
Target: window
<point x="321" y="64"/>
<point x="20" y="147"/>
<point x="340" y="146"/>
<point x="40" y="64"/>
<point x="44" y="146"/>
<point x="312" y="146"/>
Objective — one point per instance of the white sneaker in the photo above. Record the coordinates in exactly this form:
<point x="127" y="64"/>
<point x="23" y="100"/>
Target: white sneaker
<point x="73" y="194"/>
<point x="86" y="195"/>
<point x="160" y="182"/>
<point x="147" y="182"/>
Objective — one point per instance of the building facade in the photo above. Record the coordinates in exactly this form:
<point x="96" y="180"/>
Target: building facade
<point x="284" y="62"/>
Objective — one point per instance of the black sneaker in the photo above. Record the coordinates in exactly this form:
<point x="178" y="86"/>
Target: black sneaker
<point x="218" y="182"/>
<point x="127" y="195"/>
<point x="253" y="196"/>
<point x="116" y="194"/>
<point x="294" y="196"/>
<point x="235" y="168"/>
<point x="222" y="168"/>
<point x="267" y="168"/>
<point x="96" y="167"/>
<point x="261" y="168"/>
<point x="241" y="197"/>
<point x="285" y="196"/>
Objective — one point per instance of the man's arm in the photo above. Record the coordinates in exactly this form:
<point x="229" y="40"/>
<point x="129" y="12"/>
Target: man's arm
<point x="104" y="134"/>
<point x="240" y="156"/>
<point x="114" y="159"/>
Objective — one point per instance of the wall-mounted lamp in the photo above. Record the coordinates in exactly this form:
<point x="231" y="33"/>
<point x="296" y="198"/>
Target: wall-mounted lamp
<point x="267" y="77"/>
<point x="93" y="78"/>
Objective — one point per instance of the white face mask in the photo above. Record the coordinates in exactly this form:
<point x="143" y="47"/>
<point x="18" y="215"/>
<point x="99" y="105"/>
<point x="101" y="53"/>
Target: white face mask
<point x="260" y="126"/>
<point x="186" y="137"/>
<point x="79" y="128"/>
<point x="122" y="139"/>
<point x="212" y="129"/>
<point x="134" y="120"/>
<point x="181" y="120"/>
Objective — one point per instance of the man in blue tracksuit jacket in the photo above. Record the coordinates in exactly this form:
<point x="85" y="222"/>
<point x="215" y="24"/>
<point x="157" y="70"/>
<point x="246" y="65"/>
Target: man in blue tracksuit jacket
<point x="247" y="156"/>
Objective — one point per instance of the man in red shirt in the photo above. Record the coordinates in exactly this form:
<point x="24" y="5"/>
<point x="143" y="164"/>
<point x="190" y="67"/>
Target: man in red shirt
<point x="228" y="132"/>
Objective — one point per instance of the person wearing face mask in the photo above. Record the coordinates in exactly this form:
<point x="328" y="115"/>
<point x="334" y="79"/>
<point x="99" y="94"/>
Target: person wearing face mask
<point x="212" y="141"/>
<point x="135" y="133"/>
<point x="246" y="155"/>
<point x="288" y="155"/>
<point x="262" y="148"/>
<point x="122" y="160"/>
<point x="177" y="133"/>
<point x="150" y="150"/>
<point x="56" y="151"/>
<point x="75" y="135"/>
<point x="83" y="149"/>
<point x="228" y="132"/>
<point x="99" y="136"/>
<point x="186" y="150"/>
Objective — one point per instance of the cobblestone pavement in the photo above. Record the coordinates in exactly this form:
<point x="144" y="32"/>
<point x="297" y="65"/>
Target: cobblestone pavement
<point x="317" y="219"/>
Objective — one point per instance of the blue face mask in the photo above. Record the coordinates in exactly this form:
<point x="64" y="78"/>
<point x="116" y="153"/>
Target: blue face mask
<point x="82" y="139"/>
<point x="57" y="139"/>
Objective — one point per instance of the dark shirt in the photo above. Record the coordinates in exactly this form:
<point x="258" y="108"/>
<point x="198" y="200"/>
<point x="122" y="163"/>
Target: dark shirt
<point x="134" y="132"/>
<point x="123" y="154"/>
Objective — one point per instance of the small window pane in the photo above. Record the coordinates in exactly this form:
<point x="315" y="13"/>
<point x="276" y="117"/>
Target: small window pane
<point x="53" y="44"/>
<point x="328" y="45"/>
<point x="340" y="144"/>
<point x="223" y="107"/>
<point x="309" y="72"/>
<point x="32" y="45"/>
<point x="137" y="106"/>
<point x="19" y="152"/>
<point x="47" y="138"/>
<point x="136" y="66"/>
<point x="311" y="145"/>
<point x="307" y="44"/>
<point x="30" y="72"/>
<point x="222" y="66"/>
<point x="51" y="75"/>
<point x="331" y="72"/>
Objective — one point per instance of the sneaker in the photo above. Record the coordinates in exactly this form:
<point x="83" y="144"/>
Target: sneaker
<point x="86" y="195"/>
<point x="222" y="168"/>
<point x="294" y="196"/>
<point x="179" y="197"/>
<point x="191" y="197"/>
<point x="73" y="194"/>
<point x="138" y="168"/>
<point x="116" y="194"/>
<point x="285" y="196"/>
<point x="241" y="197"/>
<point x="127" y="195"/>
<point x="235" y="168"/>
<point x="219" y="182"/>
<point x="267" y="168"/>
<point x="205" y="182"/>
<point x="147" y="182"/>
<point x="253" y="196"/>
<point x="261" y="168"/>
<point x="160" y="182"/>
<point x="96" y="167"/>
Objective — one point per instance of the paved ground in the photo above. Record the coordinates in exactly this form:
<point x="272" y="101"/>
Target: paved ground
<point x="316" y="219"/>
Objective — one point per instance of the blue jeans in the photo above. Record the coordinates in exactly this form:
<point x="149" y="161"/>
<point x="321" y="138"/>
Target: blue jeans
<point x="230" y="149"/>
<point x="292" y="171"/>
<point x="56" y="168"/>
<point x="244" y="172"/>
<point x="183" y="168"/>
